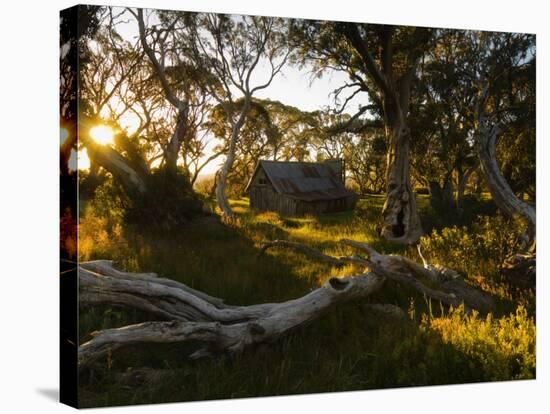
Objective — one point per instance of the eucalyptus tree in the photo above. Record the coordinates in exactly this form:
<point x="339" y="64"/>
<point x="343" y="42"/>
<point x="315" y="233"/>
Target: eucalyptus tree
<point x="504" y="73"/>
<point x="381" y="61"/>
<point x="176" y="73"/>
<point x="505" y="100"/>
<point x="443" y="155"/>
<point x="240" y="56"/>
<point x="327" y="141"/>
<point x="258" y="139"/>
<point x="73" y="56"/>
<point x="133" y="80"/>
<point x="365" y="161"/>
<point x="104" y="80"/>
<point x="112" y="87"/>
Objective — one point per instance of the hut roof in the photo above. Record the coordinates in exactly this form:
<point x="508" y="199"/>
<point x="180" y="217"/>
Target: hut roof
<point x="307" y="181"/>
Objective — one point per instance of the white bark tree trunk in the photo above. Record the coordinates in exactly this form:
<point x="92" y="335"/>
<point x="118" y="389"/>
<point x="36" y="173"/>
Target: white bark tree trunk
<point x="229" y="329"/>
<point x="521" y="266"/>
<point x="500" y="190"/>
<point x="190" y="315"/>
<point x="221" y="195"/>
<point x="118" y="165"/>
<point x="400" y="222"/>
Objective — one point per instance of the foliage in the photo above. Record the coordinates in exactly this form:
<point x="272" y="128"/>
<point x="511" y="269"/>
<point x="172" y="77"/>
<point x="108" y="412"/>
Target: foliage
<point x="503" y="348"/>
<point x="185" y="82"/>
<point x="179" y="203"/>
<point x="479" y="248"/>
<point x="358" y="349"/>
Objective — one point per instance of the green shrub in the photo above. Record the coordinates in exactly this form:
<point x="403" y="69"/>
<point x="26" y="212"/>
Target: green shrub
<point x="477" y="250"/>
<point x="503" y="348"/>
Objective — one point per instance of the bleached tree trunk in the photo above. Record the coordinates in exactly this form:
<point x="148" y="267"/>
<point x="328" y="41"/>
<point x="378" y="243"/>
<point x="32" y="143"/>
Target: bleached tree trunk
<point x="172" y="149"/>
<point x="225" y="63"/>
<point x="221" y="195"/>
<point x="520" y="267"/>
<point x="119" y="166"/>
<point x="400" y="222"/>
<point x="214" y="326"/>
<point x="189" y="315"/>
<point x="501" y="192"/>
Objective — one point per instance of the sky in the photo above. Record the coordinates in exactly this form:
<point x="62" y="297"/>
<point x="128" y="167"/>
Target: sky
<point x="292" y="86"/>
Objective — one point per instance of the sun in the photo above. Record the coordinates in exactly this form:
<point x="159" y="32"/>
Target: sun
<point x="102" y="134"/>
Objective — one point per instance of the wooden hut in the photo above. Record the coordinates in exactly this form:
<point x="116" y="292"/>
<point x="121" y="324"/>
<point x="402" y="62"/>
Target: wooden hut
<point x="298" y="188"/>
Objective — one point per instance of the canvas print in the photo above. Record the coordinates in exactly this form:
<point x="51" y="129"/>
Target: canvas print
<point x="258" y="206"/>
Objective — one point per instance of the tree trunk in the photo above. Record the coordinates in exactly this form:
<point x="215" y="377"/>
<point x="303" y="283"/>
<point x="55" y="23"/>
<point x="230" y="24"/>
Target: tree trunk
<point x="117" y="165"/>
<point x="172" y="150"/>
<point x="501" y="192"/>
<point x="518" y="266"/>
<point x="461" y="188"/>
<point x="441" y="197"/>
<point x="221" y="196"/>
<point x="400" y="222"/>
<point x="191" y="316"/>
<point x="143" y="189"/>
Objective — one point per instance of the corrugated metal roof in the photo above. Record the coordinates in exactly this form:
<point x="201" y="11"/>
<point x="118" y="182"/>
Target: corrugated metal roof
<point x="306" y="181"/>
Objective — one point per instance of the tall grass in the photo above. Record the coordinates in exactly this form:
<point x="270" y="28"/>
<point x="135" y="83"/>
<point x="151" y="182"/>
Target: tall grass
<point x="349" y="348"/>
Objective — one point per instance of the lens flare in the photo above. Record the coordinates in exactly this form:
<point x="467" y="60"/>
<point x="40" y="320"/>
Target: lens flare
<point x="102" y="134"/>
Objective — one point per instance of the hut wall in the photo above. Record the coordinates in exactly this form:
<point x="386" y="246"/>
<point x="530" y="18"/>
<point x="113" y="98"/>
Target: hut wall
<point x="265" y="198"/>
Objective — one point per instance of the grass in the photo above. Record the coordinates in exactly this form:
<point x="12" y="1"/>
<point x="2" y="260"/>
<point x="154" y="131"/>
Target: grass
<point x="346" y="349"/>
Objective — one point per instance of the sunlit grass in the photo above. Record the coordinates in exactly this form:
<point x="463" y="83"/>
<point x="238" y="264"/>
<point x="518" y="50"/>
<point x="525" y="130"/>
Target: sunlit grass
<point x="505" y="347"/>
<point x="358" y="349"/>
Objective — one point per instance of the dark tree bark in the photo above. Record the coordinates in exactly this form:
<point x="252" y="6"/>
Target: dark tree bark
<point x="461" y="188"/>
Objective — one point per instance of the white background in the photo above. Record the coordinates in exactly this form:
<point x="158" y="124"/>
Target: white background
<point x="29" y="206"/>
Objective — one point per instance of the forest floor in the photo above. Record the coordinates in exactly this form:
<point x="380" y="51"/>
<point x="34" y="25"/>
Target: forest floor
<point x="349" y="348"/>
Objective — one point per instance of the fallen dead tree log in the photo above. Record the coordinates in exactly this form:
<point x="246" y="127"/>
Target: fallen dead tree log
<point x="272" y="322"/>
<point x="451" y="288"/>
<point x="188" y="315"/>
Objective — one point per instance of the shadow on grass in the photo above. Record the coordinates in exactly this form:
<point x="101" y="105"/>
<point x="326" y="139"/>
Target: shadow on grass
<point x="346" y="349"/>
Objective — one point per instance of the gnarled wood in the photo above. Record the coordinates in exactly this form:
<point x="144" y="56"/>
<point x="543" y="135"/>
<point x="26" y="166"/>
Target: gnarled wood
<point x="400" y="222"/>
<point x="271" y="321"/>
<point x="451" y="288"/>
<point x="192" y="316"/>
<point x="164" y="298"/>
<point x="501" y="192"/>
<point x="521" y="266"/>
<point x="116" y="164"/>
